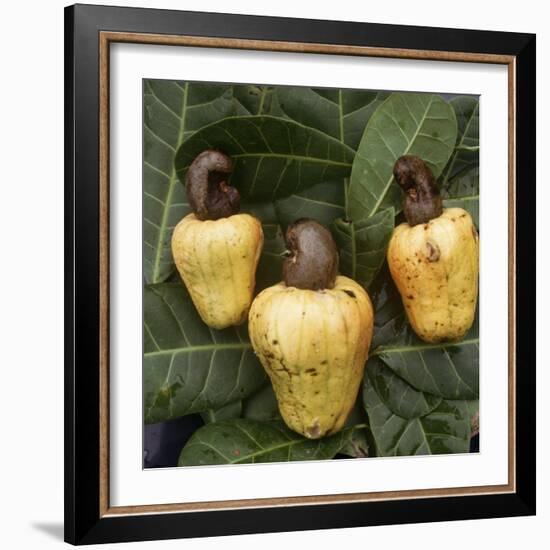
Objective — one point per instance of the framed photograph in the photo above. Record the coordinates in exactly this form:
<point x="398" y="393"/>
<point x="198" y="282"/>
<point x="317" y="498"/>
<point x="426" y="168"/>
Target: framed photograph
<point x="300" y="274"/>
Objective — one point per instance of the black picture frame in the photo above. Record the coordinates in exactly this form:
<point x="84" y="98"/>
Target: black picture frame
<point x="84" y="522"/>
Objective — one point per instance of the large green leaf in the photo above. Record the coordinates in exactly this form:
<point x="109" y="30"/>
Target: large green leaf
<point x="449" y="370"/>
<point x="341" y="114"/>
<point x="466" y="154"/>
<point x="188" y="367"/>
<point x="399" y="396"/>
<point x="242" y="441"/>
<point x="405" y="123"/>
<point x="323" y="202"/>
<point x="172" y="112"/>
<point x="273" y="157"/>
<point x="363" y="245"/>
<point x="446" y="429"/>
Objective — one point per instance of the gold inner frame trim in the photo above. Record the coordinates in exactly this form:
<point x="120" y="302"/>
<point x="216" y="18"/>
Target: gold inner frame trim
<point x="105" y="39"/>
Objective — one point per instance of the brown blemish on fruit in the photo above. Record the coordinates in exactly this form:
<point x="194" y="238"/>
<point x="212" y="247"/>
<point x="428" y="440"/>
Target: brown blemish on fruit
<point x="313" y="431"/>
<point x="433" y="252"/>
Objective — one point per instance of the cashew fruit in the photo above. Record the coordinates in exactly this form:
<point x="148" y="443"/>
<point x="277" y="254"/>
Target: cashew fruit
<point x="433" y="258"/>
<point x="215" y="249"/>
<point x="313" y="336"/>
<point x="217" y="261"/>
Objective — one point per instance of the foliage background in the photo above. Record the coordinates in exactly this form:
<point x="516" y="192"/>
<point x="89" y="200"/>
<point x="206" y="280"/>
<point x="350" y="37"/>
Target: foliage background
<point x="326" y="154"/>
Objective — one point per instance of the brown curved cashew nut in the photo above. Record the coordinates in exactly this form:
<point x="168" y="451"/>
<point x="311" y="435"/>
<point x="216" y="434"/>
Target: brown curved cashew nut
<point x="422" y="201"/>
<point x="210" y="197"/>
<point x="313" y="262"/>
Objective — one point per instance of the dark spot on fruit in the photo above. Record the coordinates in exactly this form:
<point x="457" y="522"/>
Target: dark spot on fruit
<point x="410" y="297"/>
<point x="432" y="252"/>
<point x="324" y="362"/>
<point x="311" y="371"/>
<point x="314" y="431"/>
<point x="349" y="293"/>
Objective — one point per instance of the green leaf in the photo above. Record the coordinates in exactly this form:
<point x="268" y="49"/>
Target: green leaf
<point x="465" y="155"/>
<point x="390" y="321"/>
<point x="172" y="112"/>
<point x="270" y="266"/>
<point x="449" y="370"/>
<point x="405" y="123"/>
<point x="188" y="367"/>
<point x="262" y="405"/>
<point x="323" y="202"/>
<point x="242" y="441"/>
<point x="363" y="245"/>
<point x="341" y="114"/>
<point x="444" y="430"/>
<point x="231" y="410"/>
<point x="273" y="157"/>
<point x="399" y="396"/>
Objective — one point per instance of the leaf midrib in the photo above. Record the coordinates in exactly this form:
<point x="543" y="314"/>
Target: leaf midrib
<point x="198" y="348"/>
<point x="404" y="349"/>
<point x="287" y="156"/>
<point x="169" y="193"/>
<point x="287" y="444"/>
